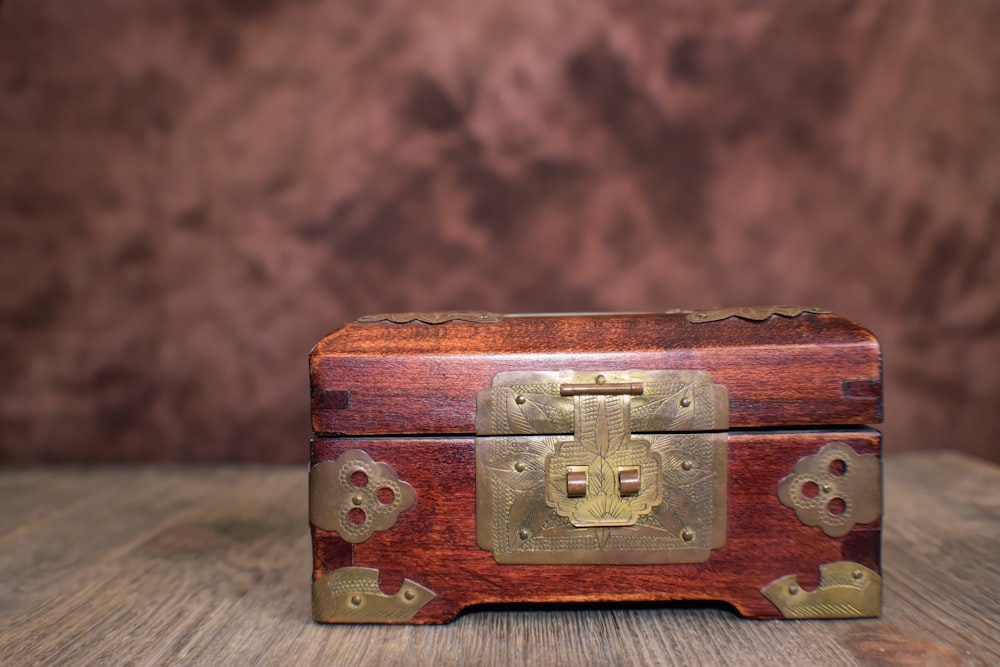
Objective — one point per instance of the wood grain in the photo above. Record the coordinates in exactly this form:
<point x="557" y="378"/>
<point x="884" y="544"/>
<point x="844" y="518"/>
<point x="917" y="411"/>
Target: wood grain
<point x="210" y="566"/>
<point x="422" y="378"/>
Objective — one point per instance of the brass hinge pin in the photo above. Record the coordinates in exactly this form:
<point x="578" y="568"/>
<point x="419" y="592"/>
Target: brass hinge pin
<point x="601" y="389"/>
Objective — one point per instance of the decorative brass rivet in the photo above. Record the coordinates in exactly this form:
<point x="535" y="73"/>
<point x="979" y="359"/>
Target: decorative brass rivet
<point x="519" y="466"/>
<point x="520" y="399"/>
<point x="600" y="379"/>
<point x="523" y="534"/>
<point x="687" y="534"/>
<point x="826" y="488"/>
<point x="793" y="589"/>
<point x="686" y="401"/>
<point x="356" y="600"/>
<point x="408" y="595"/>
<point x="857" y="574"/>
<point x="687" y="465"/>
<point x="358" y="499"/>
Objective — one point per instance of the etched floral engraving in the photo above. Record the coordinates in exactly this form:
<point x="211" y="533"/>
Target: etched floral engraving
<point x="603" y="445"/>
<point x="519" y="526"/>
<point x="673" y="510"/>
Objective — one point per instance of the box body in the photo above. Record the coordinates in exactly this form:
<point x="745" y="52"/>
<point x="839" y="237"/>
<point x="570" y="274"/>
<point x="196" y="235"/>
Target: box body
<point x="470" y="458"/>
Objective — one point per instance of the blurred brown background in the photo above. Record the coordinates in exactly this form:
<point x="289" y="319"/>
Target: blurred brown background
<point x="193" y="192"/>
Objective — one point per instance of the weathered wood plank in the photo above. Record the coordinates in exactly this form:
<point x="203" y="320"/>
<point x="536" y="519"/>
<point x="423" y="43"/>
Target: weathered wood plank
<point x="196" y="566"/>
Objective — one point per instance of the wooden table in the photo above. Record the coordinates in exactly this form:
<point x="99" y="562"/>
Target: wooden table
<point x="211" y="566"/>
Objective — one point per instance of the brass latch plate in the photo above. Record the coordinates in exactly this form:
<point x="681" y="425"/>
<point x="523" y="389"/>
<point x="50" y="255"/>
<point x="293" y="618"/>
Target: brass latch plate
<point x="561" y="478"/>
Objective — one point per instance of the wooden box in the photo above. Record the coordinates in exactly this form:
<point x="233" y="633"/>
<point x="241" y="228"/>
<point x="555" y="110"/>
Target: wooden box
<point x="468" y="458"/>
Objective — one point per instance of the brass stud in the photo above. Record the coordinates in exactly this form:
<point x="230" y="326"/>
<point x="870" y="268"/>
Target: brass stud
<point x="687" y="534"/>
<point x="356" y="600"/>
<point x="520" y="399"/>
<point x="523" y="534"/>
<point x="857" y="574"/>
<point x="793" y="589"/>
<point x="408" y="594"/>
<point x="686" y="402"/>
<point x="687" y="465"/>
<point x="826" y="488"/>
<point x="358" y="499"/>
<point x="519" y="466"/>
<point x="600" y="379"/>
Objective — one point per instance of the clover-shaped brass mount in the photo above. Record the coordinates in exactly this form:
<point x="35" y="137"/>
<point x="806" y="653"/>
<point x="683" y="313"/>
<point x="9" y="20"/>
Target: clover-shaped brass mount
<point x="834" y="489"/>
<point x="355" y="496"/>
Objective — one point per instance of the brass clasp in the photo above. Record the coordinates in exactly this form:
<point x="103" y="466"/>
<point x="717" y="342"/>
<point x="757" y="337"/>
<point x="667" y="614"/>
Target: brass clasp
<point x="601" y="450"/>
<point x="577" y="467"/>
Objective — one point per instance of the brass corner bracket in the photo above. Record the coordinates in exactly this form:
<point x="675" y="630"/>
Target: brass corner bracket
<point x="846" y="590"/>
<point x="835" y="489"/>
<point x="355" y="496"/>
<point x="352" y="595"/>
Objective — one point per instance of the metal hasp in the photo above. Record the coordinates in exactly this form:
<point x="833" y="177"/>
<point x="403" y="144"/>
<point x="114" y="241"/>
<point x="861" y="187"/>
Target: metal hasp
<point x="562" y="478"/>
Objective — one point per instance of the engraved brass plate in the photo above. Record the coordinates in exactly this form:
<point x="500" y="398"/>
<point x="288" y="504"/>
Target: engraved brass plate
<point x="755" y="313"/>
<point x="531" y="403"/>
<point x="834" y="489"/>
<point x="846" y="590"/>
<point x="355" y="496"/>
<point x="352" y="595"/>
<point x="603" y="445"/>
<point x="596" y="494"/>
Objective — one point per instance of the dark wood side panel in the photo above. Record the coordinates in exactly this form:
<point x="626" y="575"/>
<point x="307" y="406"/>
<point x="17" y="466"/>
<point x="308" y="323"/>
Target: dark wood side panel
<point x="435" y="542"/>
<point x="394" y="379"/>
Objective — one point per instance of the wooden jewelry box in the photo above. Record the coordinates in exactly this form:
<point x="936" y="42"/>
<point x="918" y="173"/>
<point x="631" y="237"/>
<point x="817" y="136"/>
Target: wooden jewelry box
<point x="466" y="458"/>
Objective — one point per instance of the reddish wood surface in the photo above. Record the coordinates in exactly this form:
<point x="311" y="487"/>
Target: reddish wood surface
<point x="434" y="543"/>
<point x="385" y="379"/>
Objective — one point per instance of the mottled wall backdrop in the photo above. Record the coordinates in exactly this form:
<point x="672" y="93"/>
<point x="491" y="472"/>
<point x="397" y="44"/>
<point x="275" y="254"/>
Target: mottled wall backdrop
<point x="192" y="192"/>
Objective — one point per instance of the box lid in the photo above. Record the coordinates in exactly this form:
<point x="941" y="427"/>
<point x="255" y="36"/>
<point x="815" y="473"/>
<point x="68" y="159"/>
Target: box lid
<point x="420" y="373"/>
